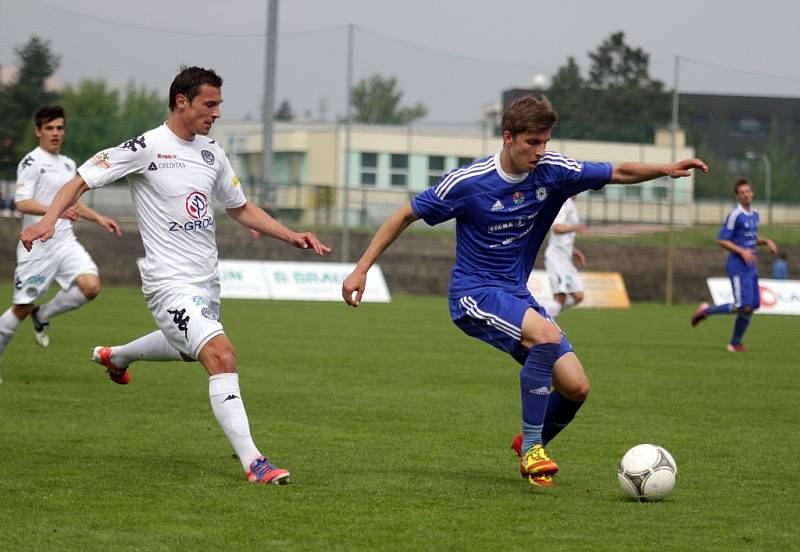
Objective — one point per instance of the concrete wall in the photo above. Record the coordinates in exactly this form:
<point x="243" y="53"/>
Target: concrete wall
<point x="419" y="262"/>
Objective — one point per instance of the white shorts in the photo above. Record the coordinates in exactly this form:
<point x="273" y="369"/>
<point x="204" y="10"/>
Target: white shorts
<point x="33" y="277"/>
<point x="188" y="315"/>
<point x="563" y="275"/>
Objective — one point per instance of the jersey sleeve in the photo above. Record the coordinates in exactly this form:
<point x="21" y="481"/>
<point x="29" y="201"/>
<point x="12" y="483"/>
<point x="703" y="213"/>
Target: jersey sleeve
<point x="28" y="173"/>
<point x="227" y="189"/>
<point x="574" y="177"/>
<point x="728" y="227"/>
<point x="431" y="207"/>
<point x="112" y="164"/>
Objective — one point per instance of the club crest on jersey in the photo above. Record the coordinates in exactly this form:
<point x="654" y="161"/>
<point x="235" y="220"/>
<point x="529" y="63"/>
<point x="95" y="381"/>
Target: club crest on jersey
<point x="196" y="205"/>
<point x="497" y="206"/>
<point x="208" y="157"/>
<point x="101" y="160"/>
<point x="541" y="193"/>
<point x="518" y="198"/>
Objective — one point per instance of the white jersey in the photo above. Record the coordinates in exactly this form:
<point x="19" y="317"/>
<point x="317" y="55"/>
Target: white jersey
<point x="40" y="175"/>
<point x="563" y="244"/>
<point x="172" y="182"/>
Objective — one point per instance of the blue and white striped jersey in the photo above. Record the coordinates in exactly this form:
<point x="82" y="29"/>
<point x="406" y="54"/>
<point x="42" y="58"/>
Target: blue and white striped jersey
<point x="741" y="228"/>
<point x="502" y="219"/>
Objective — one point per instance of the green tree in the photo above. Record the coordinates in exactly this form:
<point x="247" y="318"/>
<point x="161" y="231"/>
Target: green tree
<point x="99" y="116"/>
<point x="284" y="112"/>
<point x="376" y="100"/>
<point x="20" y="99"/>
<point x="618" y="101"/>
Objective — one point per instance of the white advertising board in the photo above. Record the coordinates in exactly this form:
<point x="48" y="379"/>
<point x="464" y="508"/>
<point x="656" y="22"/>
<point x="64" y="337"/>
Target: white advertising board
<point x="240" y="279"/>
<point x="777" y="296"/>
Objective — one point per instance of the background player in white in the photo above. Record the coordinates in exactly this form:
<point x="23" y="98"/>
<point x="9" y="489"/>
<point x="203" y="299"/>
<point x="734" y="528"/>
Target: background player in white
<point x="565" y="282"/>
<point x="173" y="172"/>
<point x="40" y="175"/>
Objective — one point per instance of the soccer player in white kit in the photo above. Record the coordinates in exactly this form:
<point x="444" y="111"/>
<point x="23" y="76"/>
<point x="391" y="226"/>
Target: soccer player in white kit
<point x="174" y="171"/>
<point x="565" y="282"/>
<point x="40" y="175"/>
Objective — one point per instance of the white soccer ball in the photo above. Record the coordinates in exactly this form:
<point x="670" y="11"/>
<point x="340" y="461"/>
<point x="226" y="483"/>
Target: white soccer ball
<point x="647" y="473"/>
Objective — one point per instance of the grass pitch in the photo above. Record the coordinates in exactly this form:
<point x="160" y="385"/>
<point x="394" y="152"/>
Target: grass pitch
<point x="396" y="428"/>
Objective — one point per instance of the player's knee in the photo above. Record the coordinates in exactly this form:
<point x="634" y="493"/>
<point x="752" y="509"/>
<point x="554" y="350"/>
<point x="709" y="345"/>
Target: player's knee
<point x="746" y="309"/>
<point x="549" y="334"/>
<point x="90" y="292"/>
<point x="22" y="311"/>
<point x="90" y="287"/>
<point x="224" y="359"/>
<point x="578" y="296"/>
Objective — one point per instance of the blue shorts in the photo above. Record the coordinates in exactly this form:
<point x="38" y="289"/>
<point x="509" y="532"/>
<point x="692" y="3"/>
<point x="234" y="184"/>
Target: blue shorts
<point x="495" y="316"/>
<point x="745" y="290"/>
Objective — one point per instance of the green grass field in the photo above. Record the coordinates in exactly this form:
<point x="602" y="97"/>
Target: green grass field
<point x="396" y="428"/>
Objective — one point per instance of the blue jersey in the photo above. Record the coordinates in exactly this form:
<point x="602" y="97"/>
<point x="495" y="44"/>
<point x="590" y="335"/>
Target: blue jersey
<point x="741" y="228"/>
<point x="502" y="219"/>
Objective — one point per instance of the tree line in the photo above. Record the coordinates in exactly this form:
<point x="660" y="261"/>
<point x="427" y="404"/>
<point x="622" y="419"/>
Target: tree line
<point x="616" y="100"/>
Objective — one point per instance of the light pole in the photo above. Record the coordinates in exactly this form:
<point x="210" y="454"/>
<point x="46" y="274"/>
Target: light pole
<point x="768" y="177"/>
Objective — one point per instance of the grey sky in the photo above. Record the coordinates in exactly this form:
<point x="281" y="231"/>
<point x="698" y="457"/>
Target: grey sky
<point x="455" y="56"/>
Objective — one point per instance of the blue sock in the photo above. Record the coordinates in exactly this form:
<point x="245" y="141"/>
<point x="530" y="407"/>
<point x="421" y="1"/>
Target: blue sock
<point x="535" y="378"/>
<point x="560" y="412"/>
<point x="739" y="328"/>
<point x="727" y="308"/>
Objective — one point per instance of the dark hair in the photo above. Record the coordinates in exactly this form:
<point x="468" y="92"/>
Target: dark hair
<point x="189" y="81"/>
<point x="529" y="114"/>
<point x="739" y="183"/>
<point x="49" y="113"/>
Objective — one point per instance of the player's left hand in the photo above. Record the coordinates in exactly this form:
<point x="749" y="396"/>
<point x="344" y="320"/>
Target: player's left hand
<point x="304" y="240"/>
<point x="110" y="225"/>
<point x="683" y="168"/>
<point x="580" y="258"/>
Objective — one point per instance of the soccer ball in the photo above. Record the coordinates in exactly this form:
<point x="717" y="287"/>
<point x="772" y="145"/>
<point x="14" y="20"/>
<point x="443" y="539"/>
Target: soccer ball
<point x="647" y="473"/>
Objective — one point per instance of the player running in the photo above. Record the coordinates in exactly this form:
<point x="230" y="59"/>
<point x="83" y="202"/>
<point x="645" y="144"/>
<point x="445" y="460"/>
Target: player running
<point x="504" y="205"/>
<point x="565" y="282"/>
<point x="40" y="174"/>
<point x="176" y="173"/>
<point x="739" y="236"/>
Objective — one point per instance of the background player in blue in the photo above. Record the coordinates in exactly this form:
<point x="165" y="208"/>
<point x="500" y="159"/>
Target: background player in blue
<point x="504" y="206"/>
<point x="739" y="235"/>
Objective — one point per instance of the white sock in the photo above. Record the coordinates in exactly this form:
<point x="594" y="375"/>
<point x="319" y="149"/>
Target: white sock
<point x="569" y="302"/>
<point x="226" y="402"/>
<point x="553" y="308"/>
<point x="153" y="346"/>
<point x="65" y="300"/>
<point x="9" y="323"/>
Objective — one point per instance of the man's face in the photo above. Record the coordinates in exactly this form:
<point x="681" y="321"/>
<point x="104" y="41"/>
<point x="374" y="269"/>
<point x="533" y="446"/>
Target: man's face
<point x="745" y="195"/>
<point x="51" y="135"/>
<point x="525" y="149"/>
<point x="200" y="114"/>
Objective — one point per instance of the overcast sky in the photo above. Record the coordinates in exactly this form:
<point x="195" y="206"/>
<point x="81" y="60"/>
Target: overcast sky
<point x="455" y="56"/>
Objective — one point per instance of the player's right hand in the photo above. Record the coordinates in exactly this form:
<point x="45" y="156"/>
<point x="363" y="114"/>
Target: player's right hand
<point x="39" y="231"/>
<point x="749" y="257"/>
<point x="354" y="284"/>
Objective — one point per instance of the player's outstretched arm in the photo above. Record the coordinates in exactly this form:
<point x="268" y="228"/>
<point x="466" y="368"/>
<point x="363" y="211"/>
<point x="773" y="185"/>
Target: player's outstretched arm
<point x="250" y="216"/>
<point x="33" y="207"/>
<point x="44" y="229"/>
<point x="634" y="173"/>
<point x="389" y="231"/>
<point x="88" y="213"/>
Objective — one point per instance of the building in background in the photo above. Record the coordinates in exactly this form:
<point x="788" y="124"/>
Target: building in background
<point x="389" y="164"/>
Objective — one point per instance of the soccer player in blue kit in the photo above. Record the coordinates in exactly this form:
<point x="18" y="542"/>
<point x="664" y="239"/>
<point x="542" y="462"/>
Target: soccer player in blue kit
<point x="504" y="206"/>
<point x="739" y="236"/>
